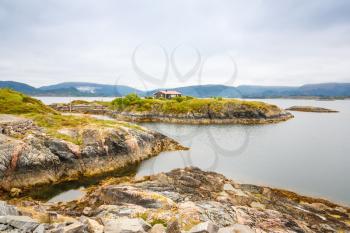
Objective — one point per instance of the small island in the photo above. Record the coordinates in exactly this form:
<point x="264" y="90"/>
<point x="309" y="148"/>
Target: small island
<point x="310" y="109"/>
<point x="181" y="109"/>
<point x="40" y="146"/>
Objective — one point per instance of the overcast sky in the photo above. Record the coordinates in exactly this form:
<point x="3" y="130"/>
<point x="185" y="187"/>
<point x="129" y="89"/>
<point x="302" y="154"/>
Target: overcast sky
<point x="272" y="42"/>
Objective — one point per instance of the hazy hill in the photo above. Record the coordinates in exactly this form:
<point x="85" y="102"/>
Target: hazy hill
<point x="326" y="89"/>
<point x="24" y="88"/>
<point x="205" y="91"/>
<point x="251" y="91"/>
<point x="243" y="91"/>
<point x="93" y="89"/>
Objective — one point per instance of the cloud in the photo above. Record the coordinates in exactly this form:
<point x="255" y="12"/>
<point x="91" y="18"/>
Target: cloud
<point x="287" y="42"/>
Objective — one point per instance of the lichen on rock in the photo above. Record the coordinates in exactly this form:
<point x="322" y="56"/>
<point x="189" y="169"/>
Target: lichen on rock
<point x="191" y="196"/>
<point x="37" y="157"/>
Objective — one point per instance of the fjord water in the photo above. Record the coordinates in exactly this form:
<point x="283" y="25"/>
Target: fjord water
<point x="309" y="154"/>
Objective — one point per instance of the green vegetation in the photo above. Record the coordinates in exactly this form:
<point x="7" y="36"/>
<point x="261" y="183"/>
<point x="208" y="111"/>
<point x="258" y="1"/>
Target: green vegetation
<point x="145" y="217"/>
<point x="74" y="102"/>
<point x="96" y="102"/>
<point x="159" y="221"/>
<point x="12" y="102"/>
<point x="54" y="122"/>
<point x="178" y="105"/>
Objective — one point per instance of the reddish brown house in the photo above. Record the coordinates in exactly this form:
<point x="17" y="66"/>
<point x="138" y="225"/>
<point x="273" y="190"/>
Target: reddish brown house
<point x="167" y="94"/>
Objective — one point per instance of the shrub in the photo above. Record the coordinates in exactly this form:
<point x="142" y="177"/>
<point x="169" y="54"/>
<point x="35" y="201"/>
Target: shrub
<point x="179" y="98"/>
<point x="216" y="97"/>
<point x="183" y="105"/>
<point x="75" y="102"/>
<point x="122" y="102"/>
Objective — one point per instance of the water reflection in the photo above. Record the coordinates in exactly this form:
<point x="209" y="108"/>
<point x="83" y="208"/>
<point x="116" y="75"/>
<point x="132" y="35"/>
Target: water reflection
<point x="73" y="190"/>
<point x="307" y="154"/>
<point x="70" y="195"/>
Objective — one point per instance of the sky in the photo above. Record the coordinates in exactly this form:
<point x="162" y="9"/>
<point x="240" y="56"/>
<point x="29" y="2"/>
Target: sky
<point x="160" y="43"/>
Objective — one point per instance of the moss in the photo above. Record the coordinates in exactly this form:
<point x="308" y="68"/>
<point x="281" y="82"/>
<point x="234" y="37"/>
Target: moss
<point x="335" y="216"/>
<point x="144" y="216"/>
<point x="153" y="221"/>
<point x="188" y="226"/>
<point x="158" y="221"/>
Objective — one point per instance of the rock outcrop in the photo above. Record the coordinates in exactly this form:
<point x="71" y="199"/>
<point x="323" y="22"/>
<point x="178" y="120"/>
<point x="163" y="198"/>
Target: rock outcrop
<point x="183" y="200"/>
<point x="196" y="201"/>
<point x="15" y="126"/>
<point x="29" y="156"/>
<point x="310" y="109"/>
<point x="229" y="114"/>
<point x="227" y="117"/>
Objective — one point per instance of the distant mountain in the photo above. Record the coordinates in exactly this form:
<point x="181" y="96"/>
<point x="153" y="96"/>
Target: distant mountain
<point x="251" y="91"/>
<point x="244" y="91"/>
<point x="205" y="91"/>
<point x="21" y="87"/>
<point x="72" y="89"/>
<point x="326" y="89"/>
<point x="93" y="89"/>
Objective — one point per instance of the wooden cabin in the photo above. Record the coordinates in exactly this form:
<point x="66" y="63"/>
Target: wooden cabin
<point x="167" y="94"/>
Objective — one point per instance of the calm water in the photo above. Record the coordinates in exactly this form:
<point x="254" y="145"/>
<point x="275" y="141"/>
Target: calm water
<point x="309" y="154"/>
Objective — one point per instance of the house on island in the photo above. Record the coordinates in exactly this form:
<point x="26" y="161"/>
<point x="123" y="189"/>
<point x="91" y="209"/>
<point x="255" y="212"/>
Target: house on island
<point x="167" y="94"/>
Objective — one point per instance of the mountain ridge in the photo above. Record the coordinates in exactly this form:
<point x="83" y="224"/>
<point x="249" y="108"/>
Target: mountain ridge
<point x="86" y="89"/>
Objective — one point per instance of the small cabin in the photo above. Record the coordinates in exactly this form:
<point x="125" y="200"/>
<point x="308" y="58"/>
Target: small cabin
<point x="167" y="94"/>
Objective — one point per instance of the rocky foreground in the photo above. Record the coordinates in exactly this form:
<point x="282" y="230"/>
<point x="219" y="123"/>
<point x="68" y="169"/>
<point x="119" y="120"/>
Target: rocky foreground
<point x="310" y="109"/>
<point x="183" y="200"/>
<point x="30" y="157"/>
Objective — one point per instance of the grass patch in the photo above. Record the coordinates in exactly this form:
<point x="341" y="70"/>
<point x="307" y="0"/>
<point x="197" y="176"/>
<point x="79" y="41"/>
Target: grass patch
<point x="12" y="102"/>
<point x="54" y="122"/>
<point x="183" y="105"/>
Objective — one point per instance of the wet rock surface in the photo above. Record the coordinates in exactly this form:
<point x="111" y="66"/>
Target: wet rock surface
<point x="29" y="156"/>
<point x="191" y="200"/>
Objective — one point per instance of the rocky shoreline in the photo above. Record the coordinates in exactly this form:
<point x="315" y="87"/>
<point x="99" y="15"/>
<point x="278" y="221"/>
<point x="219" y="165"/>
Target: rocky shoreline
<point x="310" y="109"/>
<point x="199" y="119"/>
<point x="30" y="157"/>
<point x="228" y="116"/>
<point x="183" y="200"/>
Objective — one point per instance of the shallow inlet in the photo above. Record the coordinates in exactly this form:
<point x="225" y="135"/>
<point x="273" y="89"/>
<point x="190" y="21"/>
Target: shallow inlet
<point x="74" y="190"/>
<point x="307" y="154"/>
